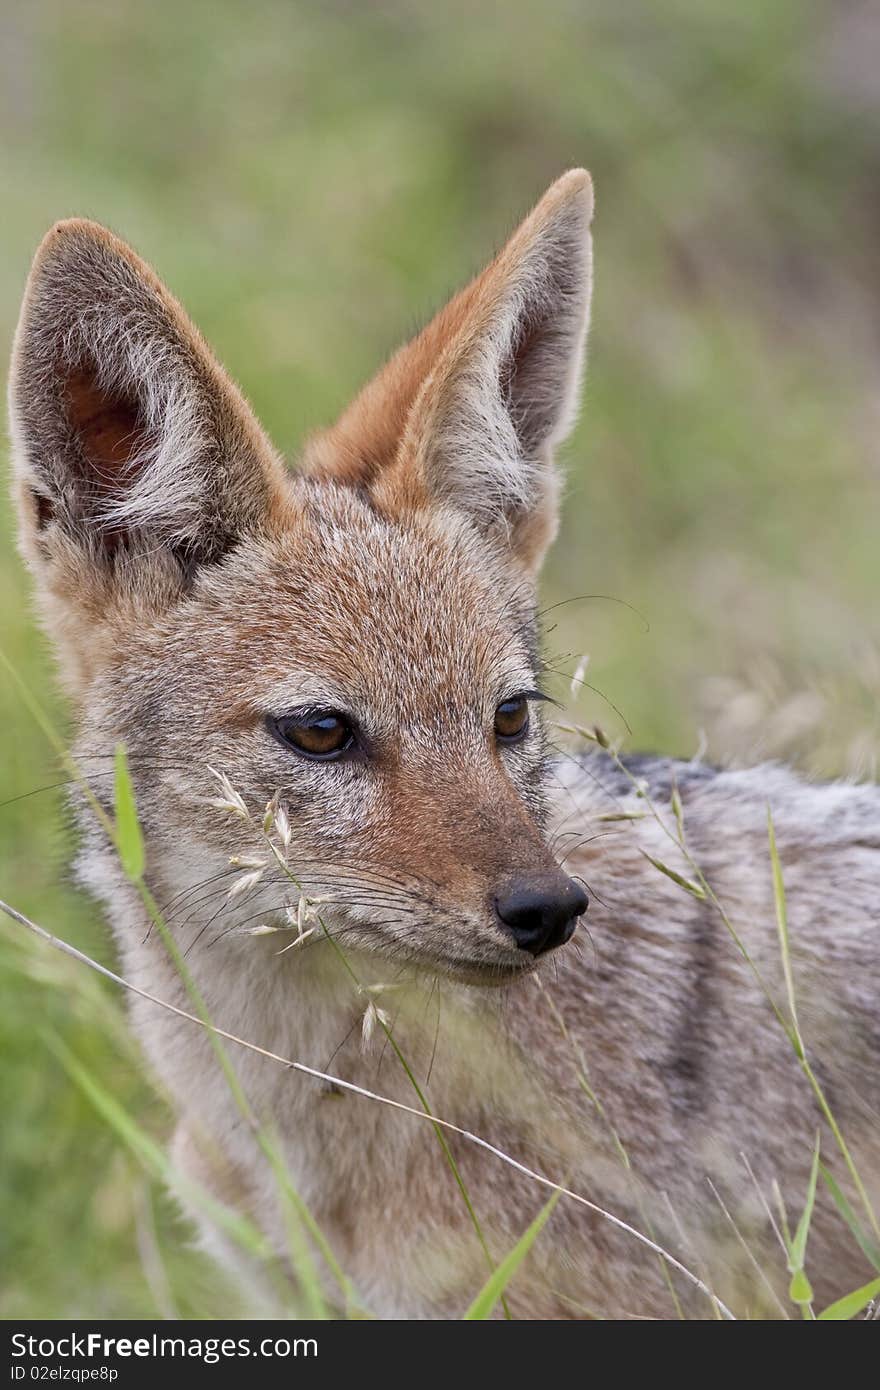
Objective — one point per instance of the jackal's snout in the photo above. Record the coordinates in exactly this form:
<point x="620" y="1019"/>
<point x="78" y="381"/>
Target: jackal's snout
<point x="541" y="911"/>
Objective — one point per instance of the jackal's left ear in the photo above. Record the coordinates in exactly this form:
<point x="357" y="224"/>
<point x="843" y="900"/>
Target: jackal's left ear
<point x="470" y="411"/>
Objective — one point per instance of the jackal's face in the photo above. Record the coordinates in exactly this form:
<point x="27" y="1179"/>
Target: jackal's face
<point x="355" y="639"/>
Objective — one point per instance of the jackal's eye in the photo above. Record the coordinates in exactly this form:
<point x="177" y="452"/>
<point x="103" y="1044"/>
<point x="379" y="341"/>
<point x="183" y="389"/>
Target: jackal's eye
<point x="317" y="734"/>
<point x="512" y="719"/>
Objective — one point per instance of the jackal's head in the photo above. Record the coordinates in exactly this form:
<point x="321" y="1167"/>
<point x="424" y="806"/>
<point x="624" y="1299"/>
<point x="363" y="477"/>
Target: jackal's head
<point x="357" y="635"/>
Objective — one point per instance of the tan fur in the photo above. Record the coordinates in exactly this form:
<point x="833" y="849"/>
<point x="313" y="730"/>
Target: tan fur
<point x="194" y="588"/>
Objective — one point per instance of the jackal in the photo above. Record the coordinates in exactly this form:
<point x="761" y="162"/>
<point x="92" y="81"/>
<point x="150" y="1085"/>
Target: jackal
<point x="354" y="644"/>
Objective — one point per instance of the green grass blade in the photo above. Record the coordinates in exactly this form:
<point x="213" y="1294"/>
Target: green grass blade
<point x="782" y="928"/>
<point x="500" y="1277"/>
<point x="869" y="1247"/>
<point x="153" y="1157"/>
<point x="800" y="1290"/>
<point x="851" y="1304"/>
<point x="799" y="1243"/>
<point x="129" y="840"/>
<point x="687" y="883"/>
<point x="677" y="811"/>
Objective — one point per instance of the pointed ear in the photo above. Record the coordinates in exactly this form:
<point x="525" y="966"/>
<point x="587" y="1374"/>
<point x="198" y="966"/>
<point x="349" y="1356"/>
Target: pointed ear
<point x="136" y="458"/>
<point x="470" y="412"/>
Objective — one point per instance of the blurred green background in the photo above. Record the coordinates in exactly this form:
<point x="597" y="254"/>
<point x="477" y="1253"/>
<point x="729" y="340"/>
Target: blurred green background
<point x="312" y="180"/>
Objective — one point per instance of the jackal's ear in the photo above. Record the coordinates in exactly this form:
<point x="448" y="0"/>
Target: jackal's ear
<point x="136" y="457"/>
<point x="470" y="411"/>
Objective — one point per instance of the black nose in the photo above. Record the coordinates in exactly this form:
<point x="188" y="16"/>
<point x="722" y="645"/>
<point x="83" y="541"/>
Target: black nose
<point x="542" y="911"/>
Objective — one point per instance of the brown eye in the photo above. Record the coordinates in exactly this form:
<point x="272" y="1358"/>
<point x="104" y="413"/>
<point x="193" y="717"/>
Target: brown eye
<point x="512" y="719"/>
<point x="319" y="734"/>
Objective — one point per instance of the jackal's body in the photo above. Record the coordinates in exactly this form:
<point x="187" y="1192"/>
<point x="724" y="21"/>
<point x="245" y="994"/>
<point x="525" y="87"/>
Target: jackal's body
<point x="357" y="641"/>
<point x="681" y="1049"/>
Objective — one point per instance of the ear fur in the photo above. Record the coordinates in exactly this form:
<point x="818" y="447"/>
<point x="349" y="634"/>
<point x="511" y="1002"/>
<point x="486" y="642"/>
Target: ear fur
<point x="136" y="458"/>
<point x="469" y="412"/>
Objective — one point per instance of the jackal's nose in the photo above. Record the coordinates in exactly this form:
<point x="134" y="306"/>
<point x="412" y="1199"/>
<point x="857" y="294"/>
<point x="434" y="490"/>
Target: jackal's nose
<point x="541" y="912"/>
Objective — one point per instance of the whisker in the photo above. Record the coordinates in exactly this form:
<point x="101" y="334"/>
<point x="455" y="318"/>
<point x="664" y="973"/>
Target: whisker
<point x="339" y="1046"/>
<point x="588" y="840"/>
<point x="436" y="1030"/>
<point x="596" y="691"/>
<point x="584" y="598"/>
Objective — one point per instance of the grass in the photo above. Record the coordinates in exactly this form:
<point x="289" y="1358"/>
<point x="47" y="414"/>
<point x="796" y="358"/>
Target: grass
<point x="311" y="181"/>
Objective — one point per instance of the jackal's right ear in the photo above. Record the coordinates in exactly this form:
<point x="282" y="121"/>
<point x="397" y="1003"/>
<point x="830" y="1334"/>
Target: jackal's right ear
<point x="136" y="457"/>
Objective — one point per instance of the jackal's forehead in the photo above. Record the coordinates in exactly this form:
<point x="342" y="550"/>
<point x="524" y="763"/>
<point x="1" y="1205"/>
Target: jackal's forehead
<point x="408" y="622"/>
